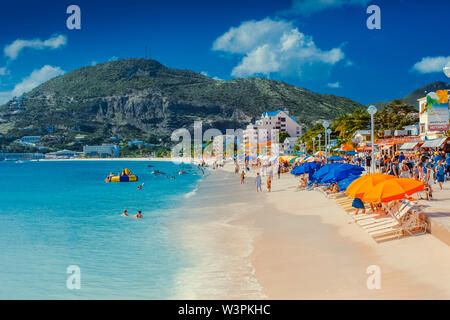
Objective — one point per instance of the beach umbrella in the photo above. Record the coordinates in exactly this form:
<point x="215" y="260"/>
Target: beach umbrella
<point x="306" y="167"/>
<point x="306" y="158"/>
<point x="293" y="160"/>
<point x="366" y="183"/>
<point x="334" y="176"/>
<point x="335" y="158"/>
<point x="438" y="158"/>
<point x="341" y="171"/>
<point x="344" y="183"/>
<point x="336" y="168"/>
<point x="393" y="189"/>
<point x="351" y="153"/>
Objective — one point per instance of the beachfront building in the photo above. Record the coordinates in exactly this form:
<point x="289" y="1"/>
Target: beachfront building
<point x="250" y="141"/>
<point x="261" y="137"/>
<point x="223" y="145"/>
<point x="361" y="136"/>
<point x="20" y="156"/>
<point x="279" y="121"/>
<point x="288" y="145"/>
<point x="63" y="154"/>
<point x="103" y="151"/>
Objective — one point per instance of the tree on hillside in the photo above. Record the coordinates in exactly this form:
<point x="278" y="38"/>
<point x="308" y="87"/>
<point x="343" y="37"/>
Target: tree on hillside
<point x="395" y="116"/>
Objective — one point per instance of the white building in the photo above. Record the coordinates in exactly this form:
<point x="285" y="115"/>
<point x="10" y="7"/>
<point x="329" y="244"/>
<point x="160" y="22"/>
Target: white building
<point x="361" y="136"/>
<point x="288" y="145"/>
<point x="220" y="144"/>
<point x="261" y="137"/>
<point x="105" y="150"/>
<point x="280" y="121"/>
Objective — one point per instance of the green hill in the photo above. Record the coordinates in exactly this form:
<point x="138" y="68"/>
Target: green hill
<point x="138" y="98"/>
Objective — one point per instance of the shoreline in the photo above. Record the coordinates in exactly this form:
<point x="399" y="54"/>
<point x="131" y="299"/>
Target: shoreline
<point x="106" y="159"/>
<point x="303" y="246"/>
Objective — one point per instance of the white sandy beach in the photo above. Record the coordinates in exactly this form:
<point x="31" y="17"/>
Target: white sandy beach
<point x="298" y="245"/>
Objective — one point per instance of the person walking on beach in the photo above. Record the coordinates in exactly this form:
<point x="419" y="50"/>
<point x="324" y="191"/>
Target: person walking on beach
<point x="269" y="183"/>
<point x="258" y="183"/>
<point x="440" y="173"/>
<point x="242" y="177"/>
<point x="236" y="168"/>
<point x="278" y="170"/>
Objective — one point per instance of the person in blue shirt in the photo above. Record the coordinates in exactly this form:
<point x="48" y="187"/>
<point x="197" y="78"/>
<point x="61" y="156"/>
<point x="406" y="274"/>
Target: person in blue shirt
<point x="401" y="157"/>
<point x="394" y="168"/>
<point x="447" y="161"/>
<point x="440" y="173"/>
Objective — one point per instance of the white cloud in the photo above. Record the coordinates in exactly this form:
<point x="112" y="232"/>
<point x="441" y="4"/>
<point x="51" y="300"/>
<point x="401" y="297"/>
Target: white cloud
<point x="13" y="50"/>
<point x="207" y="75"/>
<point x="36" y="78"/>
<point x="307" y="7"/>
<point x="431" y="64"/>
<point x="270" y="46"/>
<point x="334" y="85"/>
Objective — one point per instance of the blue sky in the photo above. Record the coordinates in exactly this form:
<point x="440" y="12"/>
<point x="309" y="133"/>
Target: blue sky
<point x="321" y="45"/>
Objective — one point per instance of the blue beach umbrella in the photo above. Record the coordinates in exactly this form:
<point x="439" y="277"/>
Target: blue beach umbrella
<point x="306" y="167"/>
<point x="333" y="176"/>
<point x="351" y="153"/>
<point x="336" y="158"/>
<point x="323" y="171"/>
<point x="438" y="158"/>
<point x="344" y="183"/>
<point x="335" y="171"/>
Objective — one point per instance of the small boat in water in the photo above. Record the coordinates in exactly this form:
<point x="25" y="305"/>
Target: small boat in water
<point x="126" y="176"/>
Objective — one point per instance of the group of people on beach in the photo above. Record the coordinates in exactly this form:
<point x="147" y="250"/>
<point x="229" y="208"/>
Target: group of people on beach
<point x="264" y="170"/>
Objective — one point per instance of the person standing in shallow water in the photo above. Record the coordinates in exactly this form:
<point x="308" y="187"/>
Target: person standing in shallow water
<point x="258" y="183"/>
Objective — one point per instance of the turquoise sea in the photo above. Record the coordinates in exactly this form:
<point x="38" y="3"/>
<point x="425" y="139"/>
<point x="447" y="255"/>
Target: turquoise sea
<point x="57" y="214"/>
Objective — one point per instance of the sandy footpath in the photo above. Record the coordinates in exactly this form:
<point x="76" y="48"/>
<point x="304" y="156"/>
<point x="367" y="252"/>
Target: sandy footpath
<point x="306" y="247"/>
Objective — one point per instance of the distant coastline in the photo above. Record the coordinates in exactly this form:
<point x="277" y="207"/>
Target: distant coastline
<point x="110" y="159"/>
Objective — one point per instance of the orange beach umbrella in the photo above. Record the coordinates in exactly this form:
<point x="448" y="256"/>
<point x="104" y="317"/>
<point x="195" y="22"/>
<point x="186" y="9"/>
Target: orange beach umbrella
<point x="364" y="184"/>
<point x="393" y="189"/>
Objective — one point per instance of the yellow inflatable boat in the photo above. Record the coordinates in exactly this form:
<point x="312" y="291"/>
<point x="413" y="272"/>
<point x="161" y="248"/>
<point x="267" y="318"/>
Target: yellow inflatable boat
<point x="126" y="176"/>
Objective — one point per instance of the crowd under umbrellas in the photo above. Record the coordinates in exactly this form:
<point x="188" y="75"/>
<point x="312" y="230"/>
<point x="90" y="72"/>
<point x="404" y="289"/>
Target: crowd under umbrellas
<point x="397" y="180"/>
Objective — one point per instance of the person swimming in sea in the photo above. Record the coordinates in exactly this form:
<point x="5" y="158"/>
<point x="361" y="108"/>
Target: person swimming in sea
<point x="140" y="187"/>
<point x="125" y="213"/>
<point x="138" y="215"/>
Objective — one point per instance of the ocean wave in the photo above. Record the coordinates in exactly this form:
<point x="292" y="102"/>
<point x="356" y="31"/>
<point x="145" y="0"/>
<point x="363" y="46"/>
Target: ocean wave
<point x="191" y="193"/>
